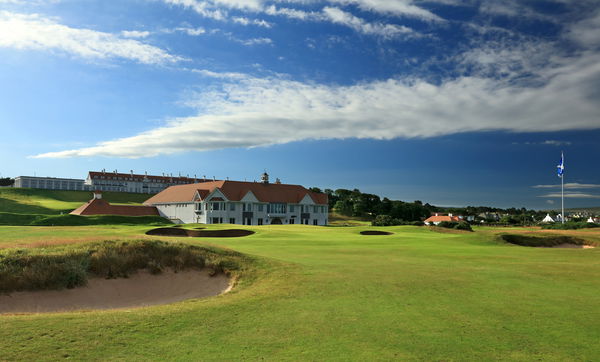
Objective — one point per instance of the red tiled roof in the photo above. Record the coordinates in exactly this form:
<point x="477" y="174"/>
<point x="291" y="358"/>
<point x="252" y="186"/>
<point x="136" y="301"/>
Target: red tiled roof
<point x="140" y="178"/>
<point x="101" y="207"/>
<point x="442" y="218"/>
<point x="236" y="190"/>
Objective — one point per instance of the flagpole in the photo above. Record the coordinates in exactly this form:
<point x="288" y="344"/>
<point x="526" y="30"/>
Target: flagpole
<point x="562" y="188"/>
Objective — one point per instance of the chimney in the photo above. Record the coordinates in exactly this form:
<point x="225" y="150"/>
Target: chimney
<point x="450" y="215"/>
<point x="278" y="181"/>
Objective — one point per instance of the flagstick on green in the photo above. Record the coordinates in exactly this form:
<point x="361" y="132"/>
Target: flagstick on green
<point x="561" y="171"/>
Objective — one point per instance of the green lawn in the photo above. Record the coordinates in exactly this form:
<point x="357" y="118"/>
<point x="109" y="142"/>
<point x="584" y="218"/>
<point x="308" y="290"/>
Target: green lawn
<point x="328" y="293"/>
<point x="36" y="201"/>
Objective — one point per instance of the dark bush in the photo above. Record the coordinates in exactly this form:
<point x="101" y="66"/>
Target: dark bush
<point x="463" y="225"/>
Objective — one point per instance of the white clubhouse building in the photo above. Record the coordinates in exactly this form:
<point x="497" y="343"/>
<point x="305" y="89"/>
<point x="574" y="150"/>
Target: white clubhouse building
<point x="237" y="202"/>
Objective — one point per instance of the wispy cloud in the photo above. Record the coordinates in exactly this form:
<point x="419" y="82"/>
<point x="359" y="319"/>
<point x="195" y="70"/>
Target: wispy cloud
<point x="339" y="16"/>
<point x="135" y="34"/>
<point x="259" y="112"/>
<point x="572" y="195"/>
<point x="34" y="32"/>
<point x="571" y="185"/>
<point x="219" y="10"/>
<point x="392" y="7"/>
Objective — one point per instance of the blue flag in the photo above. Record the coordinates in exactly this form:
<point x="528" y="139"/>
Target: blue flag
<point x="561" y="166"/>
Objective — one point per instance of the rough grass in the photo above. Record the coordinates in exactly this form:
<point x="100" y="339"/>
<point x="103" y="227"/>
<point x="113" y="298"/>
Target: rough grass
<point x="321" y="293"/>
<point x="77" y="220"/>
<point x="53" y="202"/>
<point x="69" y="267"/>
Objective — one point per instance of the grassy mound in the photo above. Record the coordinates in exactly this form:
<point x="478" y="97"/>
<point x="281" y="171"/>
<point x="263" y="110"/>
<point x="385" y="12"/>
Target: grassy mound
<point x="70" y="267"/>
<point x="53" y="202"/>
<point x="77" y="220"/>
<point x="541" y="241"/>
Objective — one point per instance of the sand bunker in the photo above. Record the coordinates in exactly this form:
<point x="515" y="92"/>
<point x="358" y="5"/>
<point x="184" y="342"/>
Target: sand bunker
<point x="229" y="233"/>
<point x="375" y="232"/>
<point x="572" y="246"/>
<point x="140" y="289"/>
<point x="547" y="241"/>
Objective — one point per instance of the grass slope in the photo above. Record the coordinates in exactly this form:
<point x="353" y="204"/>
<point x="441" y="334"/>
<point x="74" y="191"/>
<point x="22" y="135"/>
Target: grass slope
<point x="52" y="202"/>
<point x="332" y="294"/>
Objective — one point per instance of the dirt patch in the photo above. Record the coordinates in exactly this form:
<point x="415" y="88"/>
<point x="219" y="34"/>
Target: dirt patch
<point x="550" y="241"/>
<point x="375" y="232"/>
<point x="228" y="233"/>
<point x="139" y="290"/>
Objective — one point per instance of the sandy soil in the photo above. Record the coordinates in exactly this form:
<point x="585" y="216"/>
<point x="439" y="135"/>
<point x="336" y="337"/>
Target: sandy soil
<point x="141" y="289"/>
<point x="573" y="246"/>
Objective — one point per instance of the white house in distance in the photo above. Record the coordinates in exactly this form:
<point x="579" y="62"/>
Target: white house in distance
<point x="237" y="202"/>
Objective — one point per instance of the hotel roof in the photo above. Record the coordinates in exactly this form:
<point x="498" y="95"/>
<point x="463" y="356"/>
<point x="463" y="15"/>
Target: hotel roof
<point x="236" y="190"/>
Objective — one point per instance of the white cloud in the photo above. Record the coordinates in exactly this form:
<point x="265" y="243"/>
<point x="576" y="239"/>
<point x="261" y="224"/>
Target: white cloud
<point x="556" y="143"/>
<point x="586" y="32"/>
<point x="22" y="31"/>
<point x="339" y="16"/>
<point x="255" y="41"/>
<point x="191" y="31"/>
<point x="246" y="21"/>
<point x="573" y="195"/>
<point x="259" y="112"/>
<point x="135" y="34"/>
<point x="218" y="10"/>
<point x="201" y="7"/>
<point x="392" y="7"/>
<point x="570" y="185"/>
<point x="222" y="75"/>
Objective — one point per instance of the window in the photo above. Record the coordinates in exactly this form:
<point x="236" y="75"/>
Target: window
<point x="247" y="207"/>
<point x="260" y="209"/>
<point x="215" y="220"/>
<point x="291" y="221"/>
<point x="277" y="208"/>
<point x="215" y="206"/>
<point x="232" y="220"/>
<point x="291" y="208"/>
<point x="232" y="208"/>
<point x="260" y="221"/>
<point x="315" y="222"/>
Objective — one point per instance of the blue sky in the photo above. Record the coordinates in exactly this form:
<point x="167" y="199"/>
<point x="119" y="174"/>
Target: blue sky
<point x="450" y="102"/>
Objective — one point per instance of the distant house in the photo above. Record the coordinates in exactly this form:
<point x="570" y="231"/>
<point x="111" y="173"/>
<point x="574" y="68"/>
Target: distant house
<point x="246" y="203"/>
<point x="438" y="218"/>
<point x="595" y="220"/>
<point x="97" y="206"/>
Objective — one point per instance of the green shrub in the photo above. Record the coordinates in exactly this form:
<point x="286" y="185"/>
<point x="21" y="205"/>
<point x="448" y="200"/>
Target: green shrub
<point x="463" y="225"/>
<point x="387" y="220"/>
<point x="571" y="225"/>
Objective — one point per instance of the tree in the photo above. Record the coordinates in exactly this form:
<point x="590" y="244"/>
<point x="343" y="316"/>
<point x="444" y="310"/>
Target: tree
<point x="6" y="181"/>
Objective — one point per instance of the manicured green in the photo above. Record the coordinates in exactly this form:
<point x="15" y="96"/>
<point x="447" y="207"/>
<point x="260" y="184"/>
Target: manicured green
<point x="324" y="293"/>
<point x="52" y="202"/>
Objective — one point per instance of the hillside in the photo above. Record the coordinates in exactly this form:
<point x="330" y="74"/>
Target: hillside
<point x="51" y="202"/>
